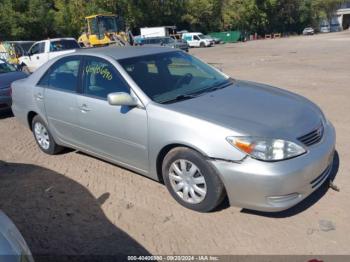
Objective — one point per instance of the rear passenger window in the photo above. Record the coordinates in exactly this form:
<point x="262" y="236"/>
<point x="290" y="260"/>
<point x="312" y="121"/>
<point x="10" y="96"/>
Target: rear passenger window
<point x="101" y="78"/>
<point x="62" y="75"/>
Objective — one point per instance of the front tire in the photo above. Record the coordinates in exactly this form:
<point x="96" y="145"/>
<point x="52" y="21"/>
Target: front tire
<point x="202" y="45"/>
<point x="44" y="138"/>
<point x="191" y="180"/>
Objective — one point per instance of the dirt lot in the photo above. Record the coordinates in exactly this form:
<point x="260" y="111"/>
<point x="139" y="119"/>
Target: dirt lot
<point x="75" y="204"/>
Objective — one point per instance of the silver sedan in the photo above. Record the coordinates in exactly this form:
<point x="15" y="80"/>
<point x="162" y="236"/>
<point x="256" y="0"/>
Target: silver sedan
<point x="13" y="248"/>
<point x="171" y="117"/>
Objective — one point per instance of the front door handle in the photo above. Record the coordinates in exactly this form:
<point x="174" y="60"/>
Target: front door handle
<point x="37" y="57"/>
<point x="84" y="108"/>
<point x="39" y="97"/>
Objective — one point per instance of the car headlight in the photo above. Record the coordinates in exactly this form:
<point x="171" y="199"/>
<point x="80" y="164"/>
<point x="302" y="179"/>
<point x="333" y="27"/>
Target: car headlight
<point x="267" y="149"/>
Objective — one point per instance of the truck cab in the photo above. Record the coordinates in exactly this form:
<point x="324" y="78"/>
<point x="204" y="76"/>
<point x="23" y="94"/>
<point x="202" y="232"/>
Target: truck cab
<point x="43" y="51"/>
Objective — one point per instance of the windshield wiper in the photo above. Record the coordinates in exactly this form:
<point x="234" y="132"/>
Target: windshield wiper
<point x="215" y="87"/>
<point x="178" y="98"/>
<point x="220" y="85"/>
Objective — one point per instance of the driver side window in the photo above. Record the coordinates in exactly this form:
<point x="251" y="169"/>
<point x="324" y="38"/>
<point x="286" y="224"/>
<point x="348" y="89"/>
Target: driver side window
<point x="196" y="38"/>
<point x="37" y="49"/>
<point x="34" y="50"/>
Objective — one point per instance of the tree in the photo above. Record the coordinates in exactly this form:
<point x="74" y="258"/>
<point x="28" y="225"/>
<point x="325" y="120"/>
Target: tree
<point x="9" y="28"/>
<point x="39" y="19"/>
<point x="326" y="8"/>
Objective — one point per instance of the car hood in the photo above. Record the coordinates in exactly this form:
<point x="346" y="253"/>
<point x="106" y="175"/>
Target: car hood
<point x="7" y="78"/>
<point x="256" y="110"/>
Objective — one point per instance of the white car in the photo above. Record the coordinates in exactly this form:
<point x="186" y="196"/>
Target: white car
<point x="45" y="50"/>
<point x="325" y="28"/>
<point x="197" y="40"/>
<point x="308" y="31"/>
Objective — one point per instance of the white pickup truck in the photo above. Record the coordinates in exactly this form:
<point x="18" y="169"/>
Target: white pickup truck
<point x="43" y="51"/>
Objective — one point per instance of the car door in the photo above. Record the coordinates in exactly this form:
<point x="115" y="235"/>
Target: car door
<point x="60" y="98"/>
<point x="196" y="41"/>
<point x="190" y="40"/>
<point x="29" y="60"/>
<point x="37" y="56"/>
<point x="118" y="133"/>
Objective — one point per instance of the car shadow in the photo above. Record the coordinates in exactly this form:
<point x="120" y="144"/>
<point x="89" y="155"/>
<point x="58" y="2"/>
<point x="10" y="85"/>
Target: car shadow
<point x="59" y="218"/>
<point x="307" y="202"/>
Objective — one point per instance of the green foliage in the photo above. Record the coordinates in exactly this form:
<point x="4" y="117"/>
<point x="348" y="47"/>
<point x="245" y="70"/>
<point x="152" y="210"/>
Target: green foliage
<point x="39" y="19"/>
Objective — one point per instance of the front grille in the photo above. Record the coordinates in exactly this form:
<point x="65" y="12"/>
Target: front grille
<point x="313" y="137"/>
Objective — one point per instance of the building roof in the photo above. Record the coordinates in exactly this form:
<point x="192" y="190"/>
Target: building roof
<point x="343" y="11"/>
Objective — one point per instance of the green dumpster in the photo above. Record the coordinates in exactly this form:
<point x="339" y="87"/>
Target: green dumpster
<point x="228" y="36"/>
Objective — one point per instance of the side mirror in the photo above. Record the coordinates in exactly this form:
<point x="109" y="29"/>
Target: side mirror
<point x="121" y="99"/>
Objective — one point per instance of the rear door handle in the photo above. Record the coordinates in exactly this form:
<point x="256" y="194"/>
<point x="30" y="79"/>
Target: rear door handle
<point x="84" y="108"/>
<point x="39" y="97"/>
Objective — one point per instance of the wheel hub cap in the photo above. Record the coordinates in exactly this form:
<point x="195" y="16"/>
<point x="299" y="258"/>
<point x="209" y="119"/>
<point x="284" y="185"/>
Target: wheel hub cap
<point x="42" y="136"/>
<point x="187" y="181"/>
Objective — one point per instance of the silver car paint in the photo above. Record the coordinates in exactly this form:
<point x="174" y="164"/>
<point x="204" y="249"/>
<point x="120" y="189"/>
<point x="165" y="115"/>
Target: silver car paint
<point x="202" y="123"/>
<point x="12" y="245"/>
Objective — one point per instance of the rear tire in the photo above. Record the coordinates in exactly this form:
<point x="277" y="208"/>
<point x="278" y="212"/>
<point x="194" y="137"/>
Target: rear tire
<point x="191" y="180"/>
<point x="44" y="138"/>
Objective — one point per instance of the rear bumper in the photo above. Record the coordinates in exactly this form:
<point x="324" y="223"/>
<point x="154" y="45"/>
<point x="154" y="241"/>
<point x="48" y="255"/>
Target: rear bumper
<point x="5" y="103"/>
<point x="280" y="185"/>
<point x="183" y="48"/>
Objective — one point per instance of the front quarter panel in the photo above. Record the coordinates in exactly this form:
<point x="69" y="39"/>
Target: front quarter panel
<point x="167" y="127"/>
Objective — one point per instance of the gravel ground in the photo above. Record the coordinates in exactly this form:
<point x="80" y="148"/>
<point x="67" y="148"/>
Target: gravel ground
<point x="75" y="204"/>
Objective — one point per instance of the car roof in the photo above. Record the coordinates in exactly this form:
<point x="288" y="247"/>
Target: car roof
<point x="156" y="37"/>
<point x="124" y="52"/>
<point x="193" y="33"/>
<point x="20" y="42"/>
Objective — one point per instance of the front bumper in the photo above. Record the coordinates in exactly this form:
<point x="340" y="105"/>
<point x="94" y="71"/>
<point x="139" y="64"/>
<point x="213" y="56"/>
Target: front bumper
<point x="277" y="186"/>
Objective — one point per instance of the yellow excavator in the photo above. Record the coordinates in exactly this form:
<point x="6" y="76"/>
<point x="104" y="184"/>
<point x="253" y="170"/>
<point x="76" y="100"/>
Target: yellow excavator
<point x="102" y="30"/>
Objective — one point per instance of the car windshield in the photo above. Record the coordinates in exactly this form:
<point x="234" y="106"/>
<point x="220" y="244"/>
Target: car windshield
<point x="168" y="40"/>
<point x="6" y="68"/>
<point x="173" y="76"/>
<point x="201" y="36"/>
<point x="61" y="45"/>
